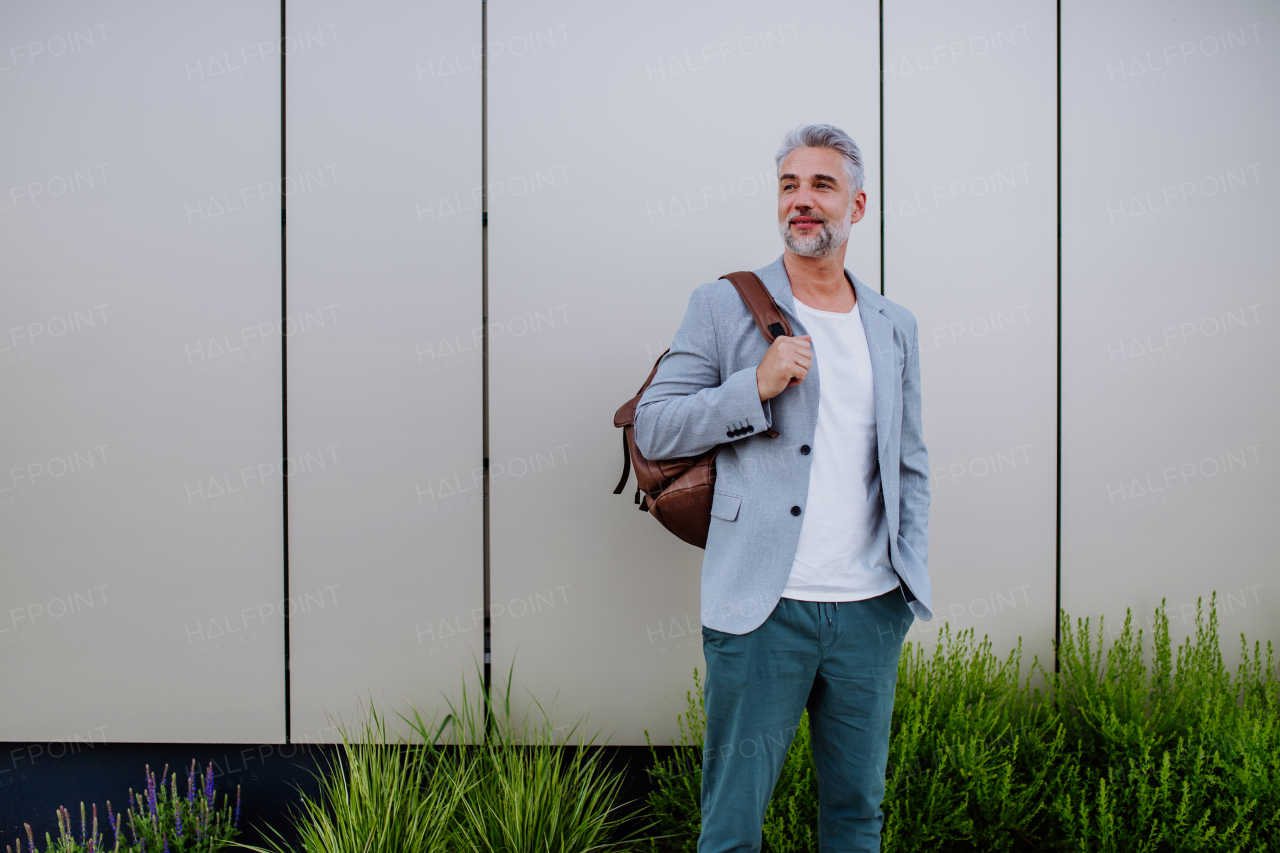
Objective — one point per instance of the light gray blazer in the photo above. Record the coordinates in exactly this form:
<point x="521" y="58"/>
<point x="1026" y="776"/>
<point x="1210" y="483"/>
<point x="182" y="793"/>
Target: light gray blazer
<point x="705" y="394"/>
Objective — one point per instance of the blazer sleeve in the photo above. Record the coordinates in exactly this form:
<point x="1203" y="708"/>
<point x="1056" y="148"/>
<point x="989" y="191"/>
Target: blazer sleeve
<point x="687" y="409"/>
<point x="913" y="522"/>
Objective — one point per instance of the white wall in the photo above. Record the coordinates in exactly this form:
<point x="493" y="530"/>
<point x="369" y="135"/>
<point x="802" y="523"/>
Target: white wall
<point x="385" y="529"/>
<point x="1169" y="389"/>
<point x="970" y="248"/>
<point x="634" y="151"/>
<point x="630" y="160"/>
<point x="141" y="423"/>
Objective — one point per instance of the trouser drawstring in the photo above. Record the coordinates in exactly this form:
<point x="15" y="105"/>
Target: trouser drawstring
<point x="826" y="606"/>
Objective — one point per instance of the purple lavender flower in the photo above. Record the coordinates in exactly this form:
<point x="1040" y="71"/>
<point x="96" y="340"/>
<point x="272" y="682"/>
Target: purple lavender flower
<point x="191" y="783"/>
<point x="205" y="806"/>
<point x="208" y="784"/>
<point x="151" y="793"/>
<point x="177" y="817"/>
<point x="82" y="822"/>
<point x="237" y="823"/>
<point x="114" y="820"/>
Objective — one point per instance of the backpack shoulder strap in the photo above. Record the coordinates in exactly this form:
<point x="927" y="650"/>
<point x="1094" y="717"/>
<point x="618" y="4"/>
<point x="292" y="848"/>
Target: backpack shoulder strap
<point x="625" y="417"/>
<point x="768" y="316"/>
<point x="769" y="319"/>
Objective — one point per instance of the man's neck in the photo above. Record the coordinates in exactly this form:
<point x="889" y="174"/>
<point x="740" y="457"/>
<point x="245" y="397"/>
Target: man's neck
<point x="820" y="282"/>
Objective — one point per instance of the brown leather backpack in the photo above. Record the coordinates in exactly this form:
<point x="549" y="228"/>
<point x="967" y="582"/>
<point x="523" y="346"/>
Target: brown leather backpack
<point x="678" y="492"/>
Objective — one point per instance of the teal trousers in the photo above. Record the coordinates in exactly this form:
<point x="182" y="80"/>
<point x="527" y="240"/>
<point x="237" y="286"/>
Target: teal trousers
<point x="838" y="660"/>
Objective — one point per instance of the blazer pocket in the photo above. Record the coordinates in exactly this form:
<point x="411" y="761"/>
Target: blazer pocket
<point x="725" y="506"/>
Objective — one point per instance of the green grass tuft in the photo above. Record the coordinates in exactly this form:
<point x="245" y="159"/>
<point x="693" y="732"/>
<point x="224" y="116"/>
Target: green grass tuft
<point x="478" y="781"/>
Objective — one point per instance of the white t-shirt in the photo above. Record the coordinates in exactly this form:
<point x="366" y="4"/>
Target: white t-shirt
<point x="843" y="553"/>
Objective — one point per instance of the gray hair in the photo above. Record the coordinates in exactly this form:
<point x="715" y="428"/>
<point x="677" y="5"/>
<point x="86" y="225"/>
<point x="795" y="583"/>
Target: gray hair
<point x="826" y="136"/>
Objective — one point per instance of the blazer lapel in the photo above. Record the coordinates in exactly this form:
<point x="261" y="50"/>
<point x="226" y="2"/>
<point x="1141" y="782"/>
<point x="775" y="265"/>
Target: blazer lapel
<point x="879" y="330"/>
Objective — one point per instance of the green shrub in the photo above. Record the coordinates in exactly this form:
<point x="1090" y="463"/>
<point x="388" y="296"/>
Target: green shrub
<point x="677" y="781"/>
<point x="973" y="752"/>
<point x="1175" y="755"/>
<point x="1112" y="753"/>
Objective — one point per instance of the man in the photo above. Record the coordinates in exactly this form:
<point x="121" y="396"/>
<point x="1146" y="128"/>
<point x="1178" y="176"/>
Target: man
<point x="816" y="557"/>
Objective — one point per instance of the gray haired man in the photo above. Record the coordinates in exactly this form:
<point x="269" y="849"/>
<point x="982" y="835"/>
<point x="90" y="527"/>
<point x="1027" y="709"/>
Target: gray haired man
<point x="816" y="560"/>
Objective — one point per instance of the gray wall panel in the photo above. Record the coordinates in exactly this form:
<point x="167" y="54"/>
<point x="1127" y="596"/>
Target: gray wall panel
<point x="970" y="249"/>
<point x="385" y="518"/>
<point x="140" y="245"/>
<point x="630" y="160"/>
<point x="1170" y="391"/>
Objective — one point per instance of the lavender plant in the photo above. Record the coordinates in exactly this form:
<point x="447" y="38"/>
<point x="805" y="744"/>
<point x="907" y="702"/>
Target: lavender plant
<point x="157" y="821"/>
<point x="67" y="842"/>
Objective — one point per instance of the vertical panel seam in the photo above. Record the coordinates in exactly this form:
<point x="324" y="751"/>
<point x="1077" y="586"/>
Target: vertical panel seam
<point x="882" y="256"/>
<point x="484" y="334"/>
<point x="1057" y="513"/>
<point x="284" y="390"/>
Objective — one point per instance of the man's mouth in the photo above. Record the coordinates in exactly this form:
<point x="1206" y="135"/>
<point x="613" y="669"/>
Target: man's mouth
<point x="805" y="221"/>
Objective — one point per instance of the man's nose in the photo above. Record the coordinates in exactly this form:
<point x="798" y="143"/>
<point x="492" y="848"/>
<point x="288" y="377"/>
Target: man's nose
<point x="804" y="199"/>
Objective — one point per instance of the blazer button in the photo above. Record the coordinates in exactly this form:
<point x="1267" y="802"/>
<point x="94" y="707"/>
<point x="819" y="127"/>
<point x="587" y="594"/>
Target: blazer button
<point x="804" y="450"/>
<point x="795" y="510"/>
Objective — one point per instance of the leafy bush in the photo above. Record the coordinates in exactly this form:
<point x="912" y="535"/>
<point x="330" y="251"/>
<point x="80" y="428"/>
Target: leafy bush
<point x="1112" y="753"/>
<point x="163" y="823"/>
<point x="675" y="800"/>
<point x="973" y="752"/>
<point x="1177" y="755"/>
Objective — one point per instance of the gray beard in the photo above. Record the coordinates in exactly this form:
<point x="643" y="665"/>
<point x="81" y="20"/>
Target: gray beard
<point x="822" y="245"/>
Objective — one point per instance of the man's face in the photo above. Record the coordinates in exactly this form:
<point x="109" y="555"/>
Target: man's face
<point x="816" y="206"/>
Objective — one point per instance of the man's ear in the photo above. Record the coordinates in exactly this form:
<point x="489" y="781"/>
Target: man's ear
<point x="853" y="207"/>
